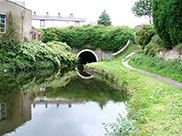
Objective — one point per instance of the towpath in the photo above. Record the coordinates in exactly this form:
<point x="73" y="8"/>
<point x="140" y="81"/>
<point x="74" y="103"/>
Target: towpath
<point x="164" y="79"/>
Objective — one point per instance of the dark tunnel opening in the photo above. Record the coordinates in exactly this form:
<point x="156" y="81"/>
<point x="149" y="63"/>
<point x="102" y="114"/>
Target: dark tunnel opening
<point x="84" y="58"/>
<point x="87" y="57"/>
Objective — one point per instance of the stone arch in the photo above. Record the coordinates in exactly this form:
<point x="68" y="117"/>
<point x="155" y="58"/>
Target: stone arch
<point x="87" y="56"/>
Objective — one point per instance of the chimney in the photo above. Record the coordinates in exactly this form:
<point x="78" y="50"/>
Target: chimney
<point x="59" y="14"/>
<point x="47" y="13"/>
<point x="34" y="13"/>
<point x="71" y="15"/>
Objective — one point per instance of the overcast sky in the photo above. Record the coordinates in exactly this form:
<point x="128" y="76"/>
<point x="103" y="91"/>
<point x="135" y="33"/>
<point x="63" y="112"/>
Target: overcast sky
<point x="119" y="10"/>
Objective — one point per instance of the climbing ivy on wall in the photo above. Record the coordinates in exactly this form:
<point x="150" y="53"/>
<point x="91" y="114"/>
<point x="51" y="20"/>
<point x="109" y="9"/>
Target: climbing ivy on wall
<point x="107" y="38"/>
<point x="9" y="40"/>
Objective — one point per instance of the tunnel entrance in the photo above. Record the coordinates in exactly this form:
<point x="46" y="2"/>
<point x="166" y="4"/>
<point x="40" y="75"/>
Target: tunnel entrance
<point x="85" y="56"/>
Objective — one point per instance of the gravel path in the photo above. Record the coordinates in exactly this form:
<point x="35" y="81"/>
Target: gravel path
<point x="167" y="80"/>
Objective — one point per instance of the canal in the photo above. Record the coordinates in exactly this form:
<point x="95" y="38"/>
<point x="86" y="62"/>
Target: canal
<point x="57" y="103"/>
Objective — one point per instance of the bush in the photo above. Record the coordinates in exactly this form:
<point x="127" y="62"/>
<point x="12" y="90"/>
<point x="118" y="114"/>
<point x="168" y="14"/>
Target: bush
<point x="151" y="49"/>
<point x="179" y="46"/>
<point x="122" y="127"/>
<point x="107" y="38"/>
<point x="144" y="35"/>
<point x="154" y="45"/>
<point x="33" y="56"/>
<point x="167" y="21"/>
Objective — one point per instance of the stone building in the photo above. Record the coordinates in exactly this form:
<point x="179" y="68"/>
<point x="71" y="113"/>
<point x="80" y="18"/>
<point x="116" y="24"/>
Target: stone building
<point x="21" y="16"/>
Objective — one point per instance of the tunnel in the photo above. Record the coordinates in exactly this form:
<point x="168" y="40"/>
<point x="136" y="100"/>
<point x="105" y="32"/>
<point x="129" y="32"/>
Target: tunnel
<point x="85" y="56"/>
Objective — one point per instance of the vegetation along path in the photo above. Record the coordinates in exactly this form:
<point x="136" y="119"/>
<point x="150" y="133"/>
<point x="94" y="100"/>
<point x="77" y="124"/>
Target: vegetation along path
<point x="167" y="80"/>
<point x="155" y="105"/>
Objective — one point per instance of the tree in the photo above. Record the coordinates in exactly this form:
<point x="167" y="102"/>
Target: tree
<point x="104" y="19"/>
<point x="168" y="21"/>
<point x="143" y="8"/>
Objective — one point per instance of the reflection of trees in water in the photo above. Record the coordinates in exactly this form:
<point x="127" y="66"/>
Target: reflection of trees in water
<point x="33" y="80"/>
<point x="102" y="104"/>
<point x="15" y="108"/>
<point x="86" y="90"/>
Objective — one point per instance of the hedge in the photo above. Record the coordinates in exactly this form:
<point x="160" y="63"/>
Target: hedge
<point x="107" y="38"/>
<point x="168" y="21"/>
<point x="144" y="34"/>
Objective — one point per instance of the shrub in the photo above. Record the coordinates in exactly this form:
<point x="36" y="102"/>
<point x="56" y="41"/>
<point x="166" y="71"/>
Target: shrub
<point x="179" y="46"/>
<point x="167" y="21"/>
<point x="144" y="35"/>
<point x="156" y="39"/>
<point x="33" y="56"/>
<point x="154" y="45"/>
<point x="107" y="38"/>
<point x="122" y="127"/>
<point x="151" y="49"/>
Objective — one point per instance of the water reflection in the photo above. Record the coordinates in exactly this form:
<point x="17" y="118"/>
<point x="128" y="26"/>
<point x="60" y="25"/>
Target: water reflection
<point x="55" y="102"/>
<point x="81" y="73"/>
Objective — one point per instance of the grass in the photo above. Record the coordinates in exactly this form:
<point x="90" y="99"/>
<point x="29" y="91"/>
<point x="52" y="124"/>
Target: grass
<point x="170" y="68"/>
<point x="155" y="105"/>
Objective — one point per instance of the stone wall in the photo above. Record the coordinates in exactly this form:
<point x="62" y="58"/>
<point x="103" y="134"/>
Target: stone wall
<point x="171" y="54"/>
<point x="22" y="18"/>
<point x="107" y="76"/>
<point x="122" y="50"/>
<point x="102" y="55"/>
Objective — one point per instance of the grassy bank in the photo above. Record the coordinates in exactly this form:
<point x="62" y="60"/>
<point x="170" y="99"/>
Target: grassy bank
<point x="155" y="105"/>
<point x="170" y="68"/>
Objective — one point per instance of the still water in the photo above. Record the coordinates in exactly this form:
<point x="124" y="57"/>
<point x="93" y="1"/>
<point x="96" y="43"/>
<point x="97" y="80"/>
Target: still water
<point x="56" y="103"/>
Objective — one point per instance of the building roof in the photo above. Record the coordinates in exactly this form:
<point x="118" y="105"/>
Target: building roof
<point x="57" y="18"/>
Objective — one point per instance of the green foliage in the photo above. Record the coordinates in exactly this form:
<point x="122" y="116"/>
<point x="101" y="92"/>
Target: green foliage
<point x="153" y="64"/>
<point x="179" y="46"/>
<point x="154" y="45"/>
<point x="104" y="19"/>
<point x="11" y="36"/>
<point x="152" y="103"/>
<point x="156" y="39"/>
<point x="107" y="38"/>
<point x="122" y="127"/>
<point x="9" y="40"/>
<point x="31" y="81"/>
<point x="167" y="21"/>
<point x="151" y="49"/>
<point x="143" y="8"/>
<point x="33" y="56"/>
<point x="144" y="35"/>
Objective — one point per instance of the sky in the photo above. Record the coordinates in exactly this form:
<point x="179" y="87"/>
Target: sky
<point x="119" y="10"/>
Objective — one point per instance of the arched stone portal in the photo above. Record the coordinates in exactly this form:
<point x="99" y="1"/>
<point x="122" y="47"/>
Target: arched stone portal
<point x="85" y="56"/>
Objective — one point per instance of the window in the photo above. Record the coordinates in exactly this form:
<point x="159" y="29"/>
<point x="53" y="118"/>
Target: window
<point x="2" y="23"/>
<point x="77" y="23"/>
<point x="2" y="111"/>
<point x="42" y="23"/>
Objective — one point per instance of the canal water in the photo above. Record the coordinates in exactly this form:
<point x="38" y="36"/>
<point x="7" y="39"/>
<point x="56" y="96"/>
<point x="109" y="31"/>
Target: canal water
<point x="56" y="103"/>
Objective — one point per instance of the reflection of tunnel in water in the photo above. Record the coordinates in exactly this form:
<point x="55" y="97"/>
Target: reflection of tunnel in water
<point x="85" y="56"/>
